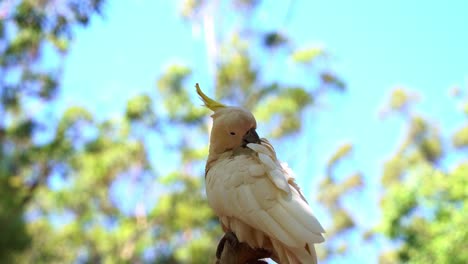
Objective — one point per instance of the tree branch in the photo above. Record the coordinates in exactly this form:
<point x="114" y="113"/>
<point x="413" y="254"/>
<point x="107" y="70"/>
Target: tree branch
<point x="230" y="251"/>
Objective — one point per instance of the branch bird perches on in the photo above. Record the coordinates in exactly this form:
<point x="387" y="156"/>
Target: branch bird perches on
<point x="231" y="251"/>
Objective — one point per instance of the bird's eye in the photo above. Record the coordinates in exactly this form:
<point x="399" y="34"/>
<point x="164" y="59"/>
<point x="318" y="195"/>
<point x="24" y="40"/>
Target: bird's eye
<point x="232" y="133"/>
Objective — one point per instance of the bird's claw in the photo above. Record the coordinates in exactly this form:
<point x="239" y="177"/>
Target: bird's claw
<point x="231" y="238"/>
<point x="242" y="253"/>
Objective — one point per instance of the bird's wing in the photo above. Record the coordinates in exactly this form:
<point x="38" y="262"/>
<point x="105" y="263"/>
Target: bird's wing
<point x="255" y="189"/>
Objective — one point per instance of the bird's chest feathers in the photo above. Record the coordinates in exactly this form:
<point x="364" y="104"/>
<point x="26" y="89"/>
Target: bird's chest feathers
<point x="229" y="173"/>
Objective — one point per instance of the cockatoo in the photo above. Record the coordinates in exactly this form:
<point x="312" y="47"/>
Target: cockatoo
<point x="253" y="194"/>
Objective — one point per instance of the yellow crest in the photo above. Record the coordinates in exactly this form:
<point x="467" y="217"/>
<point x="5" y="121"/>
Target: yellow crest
<point x="210" y="103"/>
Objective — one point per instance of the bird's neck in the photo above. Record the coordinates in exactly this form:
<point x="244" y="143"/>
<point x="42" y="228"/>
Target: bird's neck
<point x="214" y="156"/>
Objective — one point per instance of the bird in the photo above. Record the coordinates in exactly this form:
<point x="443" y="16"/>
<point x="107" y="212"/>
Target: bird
<point x="253" y="194"/>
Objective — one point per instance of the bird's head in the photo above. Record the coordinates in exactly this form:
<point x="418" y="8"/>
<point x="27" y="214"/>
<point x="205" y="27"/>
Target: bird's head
<point x="233" y="127"/>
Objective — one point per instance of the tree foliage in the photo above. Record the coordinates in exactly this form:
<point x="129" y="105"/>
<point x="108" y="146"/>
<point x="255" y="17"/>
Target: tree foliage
<point x="424" y="204"/>
<point x="59" y="170"/>
<point x="27" y="30"/>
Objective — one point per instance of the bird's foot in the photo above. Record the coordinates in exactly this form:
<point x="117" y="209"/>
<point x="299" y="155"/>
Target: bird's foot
<point x="238" y="253"/>
<point x="229" y="237"/>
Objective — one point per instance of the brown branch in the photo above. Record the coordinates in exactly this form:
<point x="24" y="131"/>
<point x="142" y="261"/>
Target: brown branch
<point x="230" y="251"/>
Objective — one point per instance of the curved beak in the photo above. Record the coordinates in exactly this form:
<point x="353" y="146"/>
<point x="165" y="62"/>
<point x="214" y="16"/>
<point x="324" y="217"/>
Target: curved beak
<point x="250" y="137"/>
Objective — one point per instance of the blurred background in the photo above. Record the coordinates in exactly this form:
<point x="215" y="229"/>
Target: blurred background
<point x="103" y="139"/>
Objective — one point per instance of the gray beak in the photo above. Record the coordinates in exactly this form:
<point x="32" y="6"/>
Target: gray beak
<point x="250" y="137"/>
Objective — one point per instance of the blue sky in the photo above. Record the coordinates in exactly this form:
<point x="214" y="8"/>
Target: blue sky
<point x="376" y="46"/>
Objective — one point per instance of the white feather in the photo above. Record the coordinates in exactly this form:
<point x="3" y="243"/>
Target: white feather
<point x="257" y="209"/>
<point x="267" y="161"/>
<point x="259" y="148"/>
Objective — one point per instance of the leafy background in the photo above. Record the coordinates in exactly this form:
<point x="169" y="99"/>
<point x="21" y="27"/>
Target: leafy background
<point x="103" y="139"/>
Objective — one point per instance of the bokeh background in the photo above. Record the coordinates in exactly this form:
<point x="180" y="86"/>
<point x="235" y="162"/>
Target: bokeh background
<point x="103" y="139"/>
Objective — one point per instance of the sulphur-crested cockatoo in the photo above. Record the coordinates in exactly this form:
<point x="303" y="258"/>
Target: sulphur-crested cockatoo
<point x="252" y="193"/>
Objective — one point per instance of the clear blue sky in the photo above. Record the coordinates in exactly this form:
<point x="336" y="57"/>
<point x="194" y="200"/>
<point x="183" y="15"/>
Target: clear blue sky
<point x="377" y="45"/>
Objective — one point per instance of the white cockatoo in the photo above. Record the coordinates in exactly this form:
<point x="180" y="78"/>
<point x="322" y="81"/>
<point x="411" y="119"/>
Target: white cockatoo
<point x="252" y="193"/>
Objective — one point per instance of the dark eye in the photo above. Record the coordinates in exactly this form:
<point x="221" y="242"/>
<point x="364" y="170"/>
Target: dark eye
<point x="232" y="133"/>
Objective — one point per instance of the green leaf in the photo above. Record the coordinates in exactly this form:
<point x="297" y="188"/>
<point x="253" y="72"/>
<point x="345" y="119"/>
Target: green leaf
<point x="307" y="55"/>
<point x="138" y="107"/>
<point x="342" y="151"/>
<point x="460" y="137"/>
